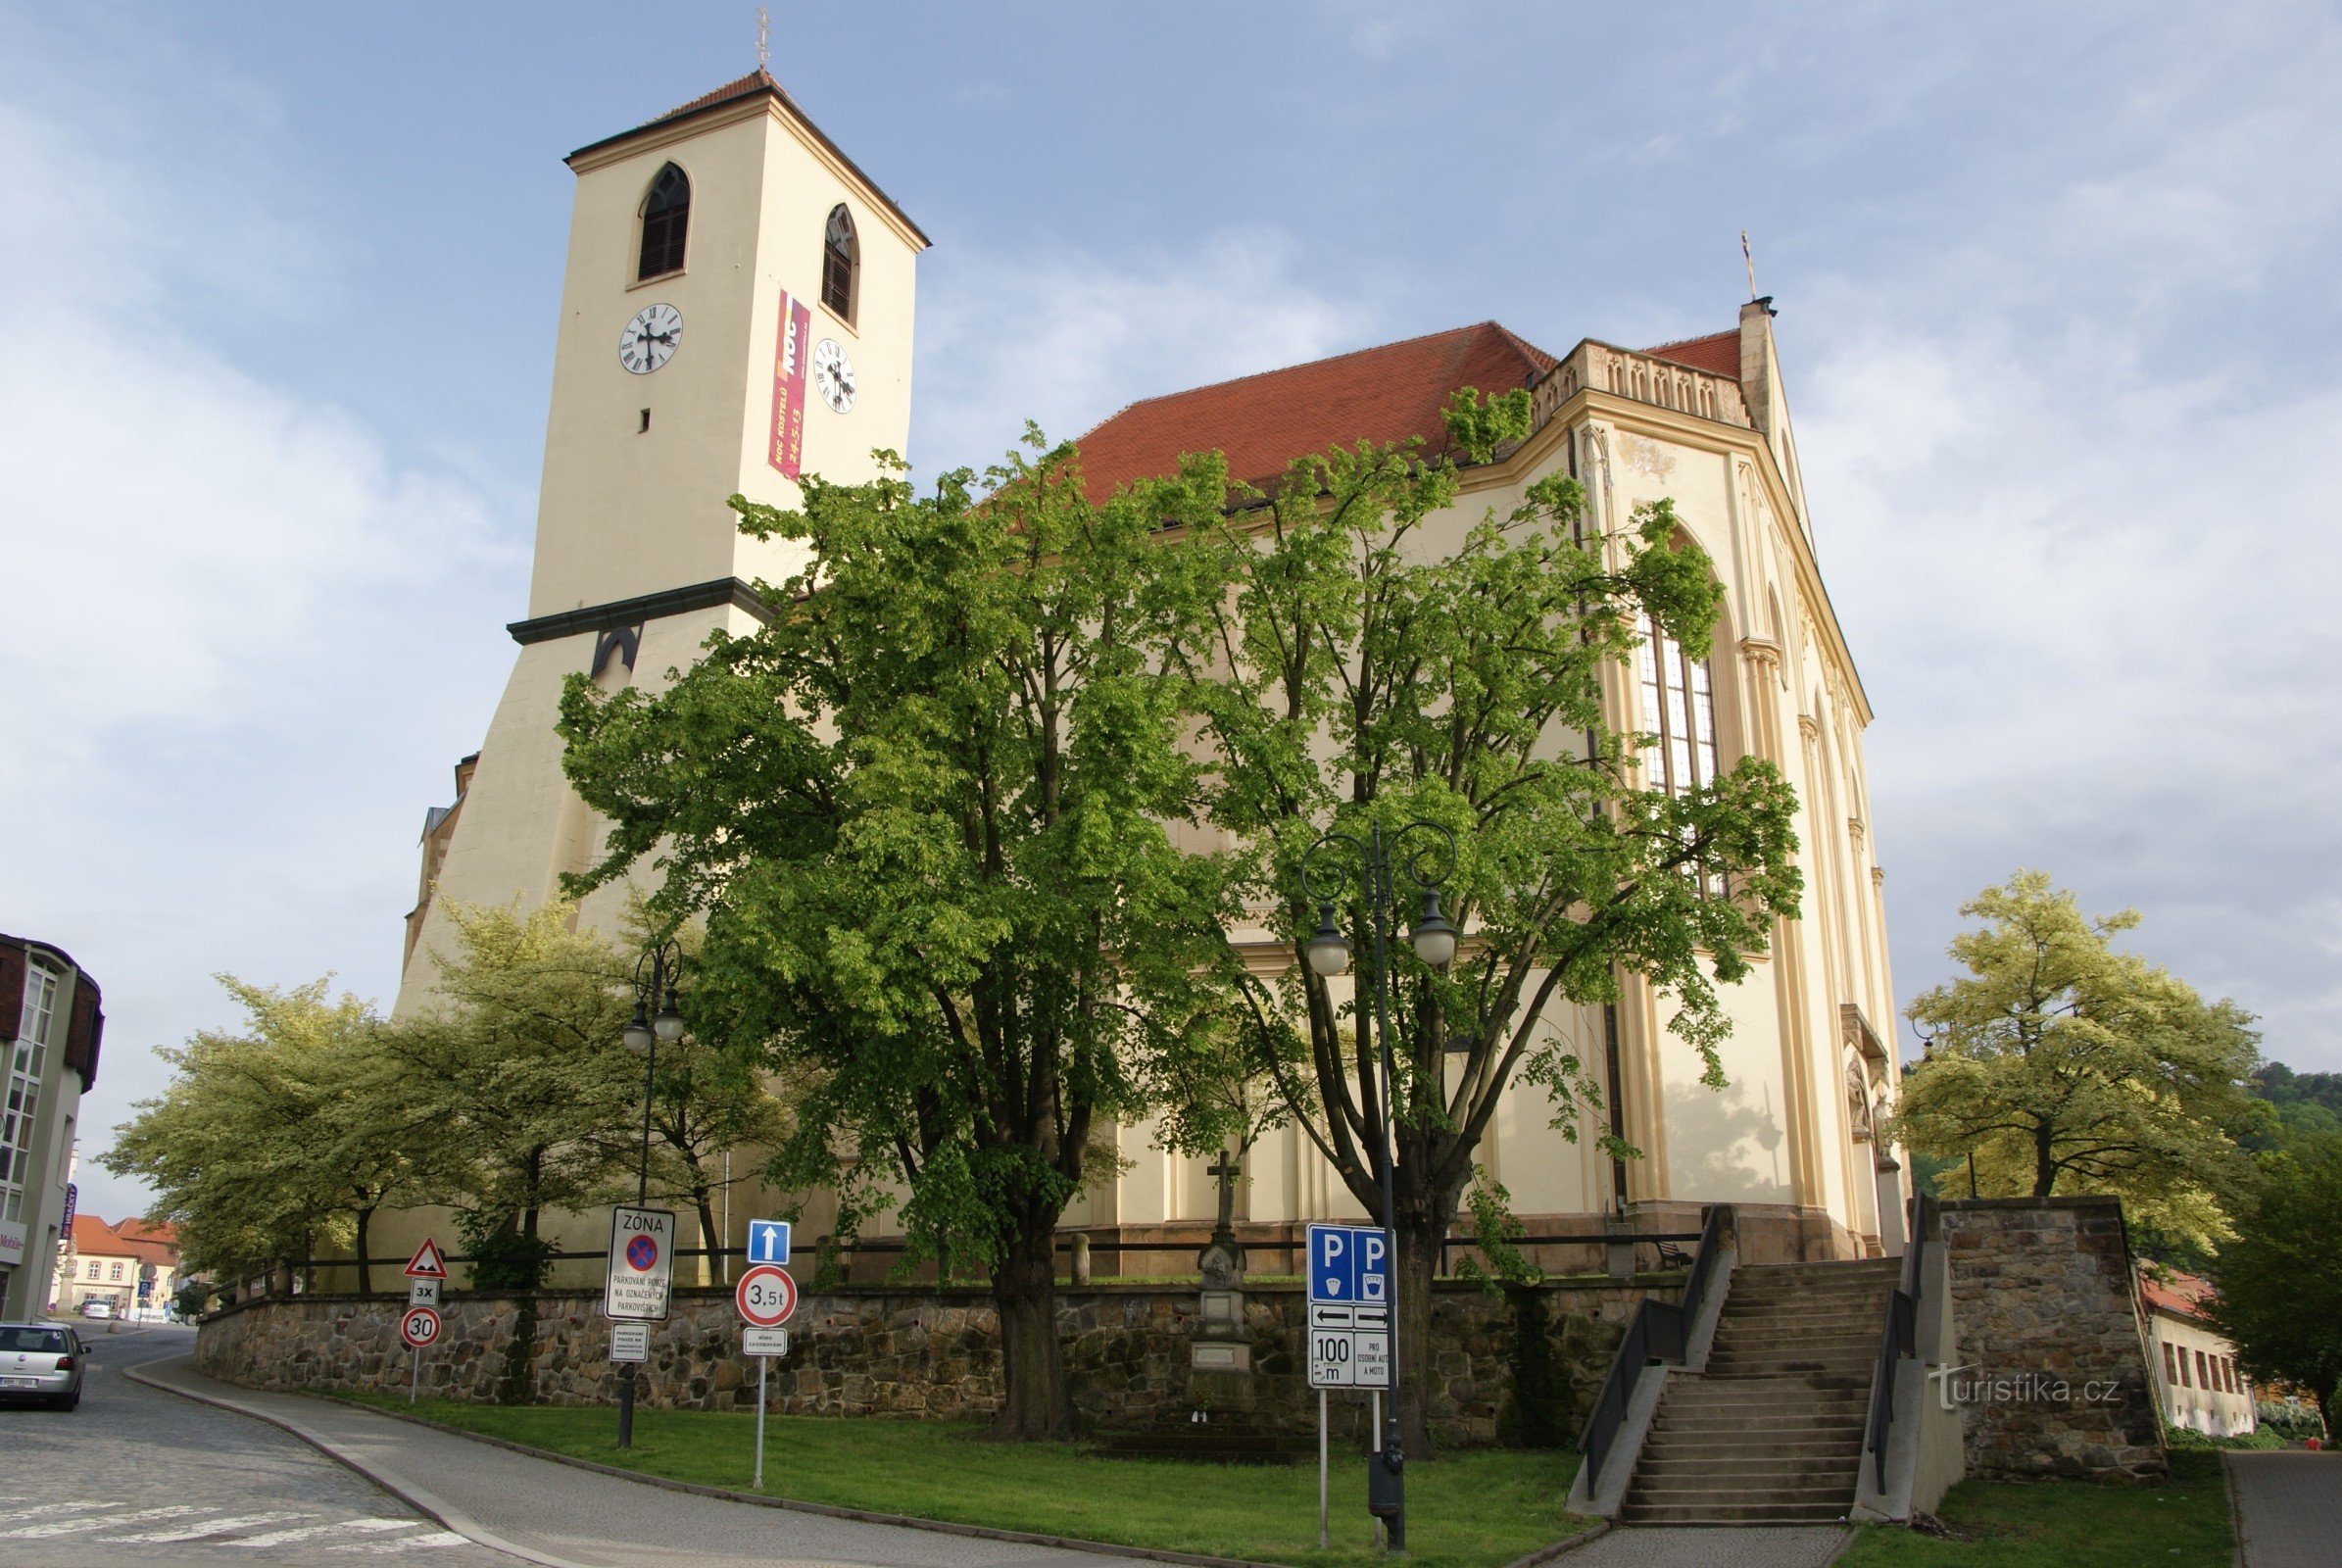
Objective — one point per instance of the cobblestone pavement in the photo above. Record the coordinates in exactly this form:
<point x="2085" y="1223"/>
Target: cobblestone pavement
<point x="558" y="1514"/>
<point x="1713" y="1547"/>
<point x="137" y="1476"/>
<point x="2292" y="1507"/>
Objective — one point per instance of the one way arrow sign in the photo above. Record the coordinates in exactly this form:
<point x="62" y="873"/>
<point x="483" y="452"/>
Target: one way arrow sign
<point x="427" y="1263"/>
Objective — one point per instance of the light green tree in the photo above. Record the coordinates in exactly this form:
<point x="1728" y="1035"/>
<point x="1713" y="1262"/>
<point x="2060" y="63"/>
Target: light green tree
<point x="1374" y="660"/>
<point x="277" y="1140"/>
<point x="928" y="816"/>
<point x="2065" y="1065"/>
<point x="520" y="1066"/>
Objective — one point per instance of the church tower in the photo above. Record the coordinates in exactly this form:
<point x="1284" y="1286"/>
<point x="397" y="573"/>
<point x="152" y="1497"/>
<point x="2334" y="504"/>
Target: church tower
<point x="736" y="313"/>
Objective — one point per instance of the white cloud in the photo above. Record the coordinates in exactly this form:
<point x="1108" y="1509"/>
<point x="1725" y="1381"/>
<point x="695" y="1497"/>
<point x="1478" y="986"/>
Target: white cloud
<point x="231" y="687"/>
<point x="1064" y="337"/>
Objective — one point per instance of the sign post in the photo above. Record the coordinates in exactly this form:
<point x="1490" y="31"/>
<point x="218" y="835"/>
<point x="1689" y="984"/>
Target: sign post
<point x="1349" y="1325"/>
<point x="767" y="1297"/>
<point x="635" y="1286"/>
<point x="426" y="1271"/>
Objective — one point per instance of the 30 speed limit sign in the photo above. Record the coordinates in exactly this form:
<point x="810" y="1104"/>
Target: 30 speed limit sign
<point x="765" y="1297"/>
<point x="419" y="1327"/>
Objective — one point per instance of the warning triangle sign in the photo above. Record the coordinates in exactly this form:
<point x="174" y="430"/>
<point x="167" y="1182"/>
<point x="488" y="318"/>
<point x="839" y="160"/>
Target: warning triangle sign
<point x="427" y="1263"/>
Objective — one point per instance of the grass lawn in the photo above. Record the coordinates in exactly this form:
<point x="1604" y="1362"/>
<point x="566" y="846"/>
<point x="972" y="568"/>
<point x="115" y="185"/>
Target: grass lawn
<point x="1474" y="1509"/>
<point x="2070" y="1524"/>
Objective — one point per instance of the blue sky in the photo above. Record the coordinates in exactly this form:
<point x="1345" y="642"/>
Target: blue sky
<point x="2056" y="310"/>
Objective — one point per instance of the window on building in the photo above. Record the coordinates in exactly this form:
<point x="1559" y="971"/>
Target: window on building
<point x="19" y="1117"/>
<point x="2170" y="1366"/>
<point x="114" y="1273"/>
<point x="93" y="1268"/>
<point x="1678" y="706"/>
<point x="666" y="217"/>
<point x="841" y="259"/>
<point x="2202" y="1372"/>
<point x="2183" y="1382"/>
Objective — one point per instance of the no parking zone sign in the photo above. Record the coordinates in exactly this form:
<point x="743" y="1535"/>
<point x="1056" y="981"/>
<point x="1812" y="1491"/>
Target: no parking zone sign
<point x="642" y="1264"/>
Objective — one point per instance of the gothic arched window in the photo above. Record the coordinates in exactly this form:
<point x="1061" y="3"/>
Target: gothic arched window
<point x="839" y="257"/>
<point x="1678" y="706"/>
<point x="666" y="214"/>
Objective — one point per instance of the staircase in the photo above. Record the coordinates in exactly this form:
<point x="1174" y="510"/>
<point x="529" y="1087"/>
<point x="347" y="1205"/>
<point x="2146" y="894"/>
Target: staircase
<point x="1772" y="1432"/>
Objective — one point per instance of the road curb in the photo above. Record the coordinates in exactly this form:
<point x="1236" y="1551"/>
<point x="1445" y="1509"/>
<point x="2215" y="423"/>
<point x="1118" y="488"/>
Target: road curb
<point x="424" y="1502"/>
<point x="1591" y="1532"/>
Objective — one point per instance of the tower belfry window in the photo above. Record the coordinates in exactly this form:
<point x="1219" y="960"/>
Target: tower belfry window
<point x="667" y="215"/>
<point x="839" y="257"/>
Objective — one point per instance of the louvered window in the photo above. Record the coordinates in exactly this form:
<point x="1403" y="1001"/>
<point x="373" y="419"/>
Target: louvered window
<point x="840" y="254"/>
<point x="666" y="217"/>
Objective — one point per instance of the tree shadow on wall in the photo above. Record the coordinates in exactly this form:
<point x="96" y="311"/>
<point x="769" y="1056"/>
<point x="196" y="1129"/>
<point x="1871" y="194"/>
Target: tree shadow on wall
<point x="1724" y="1144"/>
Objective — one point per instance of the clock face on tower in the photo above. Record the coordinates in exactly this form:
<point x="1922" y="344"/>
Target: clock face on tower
<point x="649" y="339"/>
<point x="833" y="374"/>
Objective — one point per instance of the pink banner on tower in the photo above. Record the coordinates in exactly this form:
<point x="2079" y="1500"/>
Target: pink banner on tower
<point x="788" y="449"/>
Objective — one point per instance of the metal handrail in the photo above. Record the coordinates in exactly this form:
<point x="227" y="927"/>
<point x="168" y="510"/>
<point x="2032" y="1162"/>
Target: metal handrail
<point x="1659" y="1330"/>
<point x="1901" y="1338"/>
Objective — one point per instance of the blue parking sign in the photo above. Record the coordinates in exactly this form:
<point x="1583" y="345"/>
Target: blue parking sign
<point x="768" y="1240"/>
<point x="1350" y="1264"/>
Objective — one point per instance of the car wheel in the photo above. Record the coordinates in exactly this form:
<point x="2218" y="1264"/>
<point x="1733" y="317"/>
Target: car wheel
<point x="72" y="1401"/>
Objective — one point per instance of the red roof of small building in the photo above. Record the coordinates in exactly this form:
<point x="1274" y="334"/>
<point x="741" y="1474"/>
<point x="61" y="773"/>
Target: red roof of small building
<point x="2182" y="1295"/>
<point x="1718" y="354"/>
<point x="1264" y="421"/>
<point x="130" y="1238"/>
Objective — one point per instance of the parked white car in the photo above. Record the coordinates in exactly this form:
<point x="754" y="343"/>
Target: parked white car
<point x="41" y="1363"/>
<point x="93" y="1307"/>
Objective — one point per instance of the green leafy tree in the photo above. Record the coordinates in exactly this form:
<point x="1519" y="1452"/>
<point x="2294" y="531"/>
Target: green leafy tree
<point x="2306" y="1103"/>
<point x="1374" y="662"/>
<point x="274" y="1141"/>
<point x="519" y="1065"/>
<point x="2278" y="1277"/>
<point x="927" y="816"/>
<point x="2064" y="1065"/>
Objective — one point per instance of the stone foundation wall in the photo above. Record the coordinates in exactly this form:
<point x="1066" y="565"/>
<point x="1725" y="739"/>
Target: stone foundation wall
<point x="918" y="1355"/>
<point x="2052" y="1375"/>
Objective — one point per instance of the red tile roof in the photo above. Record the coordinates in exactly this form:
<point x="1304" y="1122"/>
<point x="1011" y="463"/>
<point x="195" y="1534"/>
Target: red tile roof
<point x="1264" y="421"/>
<point x="2184" y="1295"/>
<point x="757" y="81"/>
<point x="1718" y="354"/>
<point x="131" y="1238"/>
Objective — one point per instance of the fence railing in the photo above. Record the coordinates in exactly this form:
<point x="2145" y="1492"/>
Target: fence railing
<point x="1901" y="1337"/>
<point x="1659" y="1330"/>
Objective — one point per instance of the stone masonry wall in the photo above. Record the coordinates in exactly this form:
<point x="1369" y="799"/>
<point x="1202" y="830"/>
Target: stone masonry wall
<point x="2052" y="1375"/>
<point x="919" y="1354"/>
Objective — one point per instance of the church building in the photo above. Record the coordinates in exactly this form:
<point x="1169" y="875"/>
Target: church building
<point x="737" y="312"/>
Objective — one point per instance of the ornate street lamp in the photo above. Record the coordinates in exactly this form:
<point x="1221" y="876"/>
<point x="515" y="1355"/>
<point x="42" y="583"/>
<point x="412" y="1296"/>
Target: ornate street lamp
<point x="1329" y="954"/>
<point x="654" y="975"/>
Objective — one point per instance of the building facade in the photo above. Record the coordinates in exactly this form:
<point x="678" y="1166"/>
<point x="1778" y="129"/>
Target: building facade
<point x="2197" y="1379"/>
<point x="52" y="1008"/>
<point x="131" y="1266"/>
<point x="737" y="310"/>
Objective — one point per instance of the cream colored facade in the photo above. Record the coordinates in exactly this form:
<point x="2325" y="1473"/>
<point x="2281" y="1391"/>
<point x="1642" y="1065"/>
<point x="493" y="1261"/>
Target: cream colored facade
<point x="626" y="513"/>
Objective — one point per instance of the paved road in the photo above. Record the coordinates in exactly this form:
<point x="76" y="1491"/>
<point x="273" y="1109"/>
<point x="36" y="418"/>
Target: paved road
<point x="558" y="1516"/>
<point x="139" y="1477"/>
<point x="2292" y="1506"/>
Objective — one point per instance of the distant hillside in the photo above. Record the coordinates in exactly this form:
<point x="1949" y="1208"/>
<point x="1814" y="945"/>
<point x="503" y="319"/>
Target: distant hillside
<point x="2306" y="1102"/>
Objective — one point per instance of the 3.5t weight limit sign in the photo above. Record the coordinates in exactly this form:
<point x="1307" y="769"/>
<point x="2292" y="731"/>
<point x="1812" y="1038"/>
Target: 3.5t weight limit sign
<point x="1349" y="1307"/>
<point x="765" y="1297"/>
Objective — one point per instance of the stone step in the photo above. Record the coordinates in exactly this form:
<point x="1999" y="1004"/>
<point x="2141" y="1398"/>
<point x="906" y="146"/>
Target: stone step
<point x="1710" y="1513"/>
<point x="1840" y="1493"/>
<point x="1845" y="1449"/>
<point x="1758" y="1436"/>
<point x="1744" y="1474"/>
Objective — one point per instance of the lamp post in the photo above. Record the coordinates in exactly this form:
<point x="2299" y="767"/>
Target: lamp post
<point x="643" y="1036"/>
<point x="1329" y="953"/>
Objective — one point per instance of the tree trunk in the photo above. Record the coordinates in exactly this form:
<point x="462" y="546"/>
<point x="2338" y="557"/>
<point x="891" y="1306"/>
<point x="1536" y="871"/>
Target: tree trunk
<point x="365" y="1280"/>
<point x="1038" y="1408"/>
<point x="1418" y="1261"/>
<point x="2045" y="1169"/>
<point x="704" y="1202"/>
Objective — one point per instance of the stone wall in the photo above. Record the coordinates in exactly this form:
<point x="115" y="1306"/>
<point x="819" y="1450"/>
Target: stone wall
<point x="922" y="1354"/>
<point x="2052" y="1373"/>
